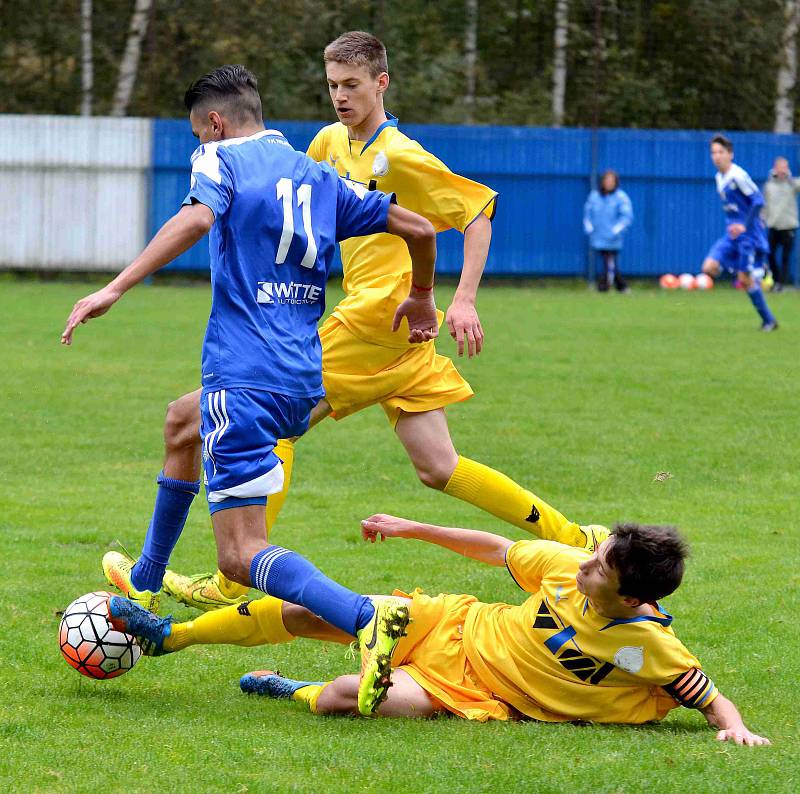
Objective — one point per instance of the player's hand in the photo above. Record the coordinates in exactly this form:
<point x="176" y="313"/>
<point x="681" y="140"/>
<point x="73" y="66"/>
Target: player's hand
<point x="384" y="526"/>
<point x="741" y="736"/>
<point x="465" y="326"/>
<point x="94" y="305"/>
<point x="735" y="229"/>
<point x="419" y="309"/>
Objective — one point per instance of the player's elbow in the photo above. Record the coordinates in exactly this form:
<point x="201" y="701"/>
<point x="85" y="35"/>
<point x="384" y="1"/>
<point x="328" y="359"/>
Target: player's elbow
<point x="420" y="230"/>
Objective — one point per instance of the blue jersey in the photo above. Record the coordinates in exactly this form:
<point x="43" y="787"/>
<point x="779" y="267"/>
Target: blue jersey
<point x="278" y="216"/>
<point x="742" y="202"/>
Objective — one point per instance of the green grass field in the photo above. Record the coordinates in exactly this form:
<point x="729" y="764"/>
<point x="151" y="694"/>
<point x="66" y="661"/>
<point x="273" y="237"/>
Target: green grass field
<point x="582" y="397"/>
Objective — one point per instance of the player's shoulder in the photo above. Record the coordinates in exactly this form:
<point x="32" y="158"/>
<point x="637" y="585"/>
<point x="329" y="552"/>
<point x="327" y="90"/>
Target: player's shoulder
<point x="328" y="133"/>
<point x="399" y="146"/>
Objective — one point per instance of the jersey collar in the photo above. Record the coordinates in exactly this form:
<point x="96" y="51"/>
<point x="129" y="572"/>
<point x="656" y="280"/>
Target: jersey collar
<point x="665" y="621"/>
<point x="391" y="121"/>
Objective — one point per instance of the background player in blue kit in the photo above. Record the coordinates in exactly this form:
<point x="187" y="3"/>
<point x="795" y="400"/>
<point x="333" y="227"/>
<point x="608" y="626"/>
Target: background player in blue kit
<point x="275" y="218"/>
<point x="743" y="250"/>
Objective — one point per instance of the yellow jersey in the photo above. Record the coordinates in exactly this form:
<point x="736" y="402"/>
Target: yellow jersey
<point x="554" y="658"/>
<point x="377" y="268"/>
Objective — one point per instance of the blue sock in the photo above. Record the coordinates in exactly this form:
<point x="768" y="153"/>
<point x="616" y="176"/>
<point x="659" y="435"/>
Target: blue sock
<point x="173" y="500"/>
<point x="286" y="575"/>
<point x="760" y="302"/>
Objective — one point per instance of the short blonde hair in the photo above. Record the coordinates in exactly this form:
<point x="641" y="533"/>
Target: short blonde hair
<point x="358" y="48"/>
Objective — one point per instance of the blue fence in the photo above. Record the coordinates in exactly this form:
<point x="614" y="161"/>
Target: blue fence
<point x="543" y="176"/>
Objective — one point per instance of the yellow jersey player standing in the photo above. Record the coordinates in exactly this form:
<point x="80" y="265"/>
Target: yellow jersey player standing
<point x="365" y="360"/>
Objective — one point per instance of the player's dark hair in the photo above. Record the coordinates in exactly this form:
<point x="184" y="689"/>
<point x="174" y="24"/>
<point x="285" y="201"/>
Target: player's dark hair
<point x="608" y="172"/>
<point x="649" y="560"/>
<point x="722" y="141"/>
<point x="230" y="90"/>
<point x="358" y="48"/>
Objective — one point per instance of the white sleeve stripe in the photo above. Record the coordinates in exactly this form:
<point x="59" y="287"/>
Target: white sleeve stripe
<point x="207" y="164"/>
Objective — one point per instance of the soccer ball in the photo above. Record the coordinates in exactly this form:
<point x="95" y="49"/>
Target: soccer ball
<point x="668" y="281"/>
<point x="704" y="281"/>
<point x="90" y="643"/>
<point x="687" y="281"/>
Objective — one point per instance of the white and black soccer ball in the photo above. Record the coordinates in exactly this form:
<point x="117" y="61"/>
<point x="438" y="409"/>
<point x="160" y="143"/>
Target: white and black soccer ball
<point x="90" y="643"/>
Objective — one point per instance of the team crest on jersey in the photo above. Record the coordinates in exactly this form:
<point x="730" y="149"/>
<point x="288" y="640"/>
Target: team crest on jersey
<point x="380" y="165"/>
<point x="287" y="293"/>
<point x="629" y="658"/>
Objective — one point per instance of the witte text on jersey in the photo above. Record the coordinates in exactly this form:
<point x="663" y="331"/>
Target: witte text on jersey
<point x="283" y="292"/>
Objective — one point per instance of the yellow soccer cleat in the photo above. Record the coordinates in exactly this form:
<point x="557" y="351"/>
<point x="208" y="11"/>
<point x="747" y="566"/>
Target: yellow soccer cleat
<point x="377" y="642"/>
<point x="595" y="535"/>
<point x="201" y="591"/>
<point x="117" y="568"/>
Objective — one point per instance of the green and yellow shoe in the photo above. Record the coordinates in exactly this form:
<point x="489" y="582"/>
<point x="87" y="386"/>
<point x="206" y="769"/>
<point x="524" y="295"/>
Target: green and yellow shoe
<point x="117" y="567"/>
<point x="201" y="591"/>
<point x="595" y="535"/>
<point x="377" y="642"/>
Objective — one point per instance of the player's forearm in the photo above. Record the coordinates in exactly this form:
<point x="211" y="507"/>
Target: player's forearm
<point x="477" y="238"/>
<point x="722" y="714"/>
<point x="482" y="546"/>
<point x="420" y="237"/>
<point x="177" y="235"/>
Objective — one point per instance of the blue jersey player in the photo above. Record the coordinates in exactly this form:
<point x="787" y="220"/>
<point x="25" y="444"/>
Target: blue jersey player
<point x="743" y="249"/>
<point x="275" y="217"/>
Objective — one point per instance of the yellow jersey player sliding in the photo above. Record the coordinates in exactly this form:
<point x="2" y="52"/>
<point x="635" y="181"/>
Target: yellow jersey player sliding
<point x="364" y="360"/>
<point x="590" y="642"/>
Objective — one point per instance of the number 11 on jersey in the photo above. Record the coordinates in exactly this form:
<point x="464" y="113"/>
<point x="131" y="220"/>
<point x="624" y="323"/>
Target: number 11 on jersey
<point x="285" y="191"/>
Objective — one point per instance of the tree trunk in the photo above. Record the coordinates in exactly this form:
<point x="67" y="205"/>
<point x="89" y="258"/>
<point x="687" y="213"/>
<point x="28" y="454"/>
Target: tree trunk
<point x="129" y="65"/>
<point x="470" y="57"/>
<point x="787" y="70"/>
<point x="87" y="63"/>
<point x="560" y="61"/>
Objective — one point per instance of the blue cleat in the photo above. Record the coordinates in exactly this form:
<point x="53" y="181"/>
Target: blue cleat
<point x="149" y="630"/>
<point x="265" y="682"/>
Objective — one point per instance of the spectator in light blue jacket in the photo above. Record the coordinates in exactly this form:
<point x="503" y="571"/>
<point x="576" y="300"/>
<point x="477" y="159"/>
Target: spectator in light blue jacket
<point x="607" y="214"/>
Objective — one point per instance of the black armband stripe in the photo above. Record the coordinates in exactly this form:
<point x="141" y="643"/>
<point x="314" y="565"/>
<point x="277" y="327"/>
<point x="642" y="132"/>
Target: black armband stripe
<point x="691" y="689"/>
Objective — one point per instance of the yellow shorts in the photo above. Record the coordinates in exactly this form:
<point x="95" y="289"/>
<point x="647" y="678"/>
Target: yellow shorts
<point x="357" y="374"/>
<point x="433" y="655"/>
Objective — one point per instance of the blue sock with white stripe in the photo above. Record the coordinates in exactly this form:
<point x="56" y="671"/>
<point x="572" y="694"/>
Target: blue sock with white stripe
<point x="173" y="500"/>
<point x="760" y="302"/>
<point x="287" y="575"/>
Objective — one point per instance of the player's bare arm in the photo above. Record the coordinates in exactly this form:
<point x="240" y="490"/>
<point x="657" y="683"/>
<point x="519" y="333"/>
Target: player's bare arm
<point x="419" y="308"/>
<point x="177" y="235"/>
<point x="462" y="317"/>
<point x="722" y="714"/>
<point x="482" y="546"/>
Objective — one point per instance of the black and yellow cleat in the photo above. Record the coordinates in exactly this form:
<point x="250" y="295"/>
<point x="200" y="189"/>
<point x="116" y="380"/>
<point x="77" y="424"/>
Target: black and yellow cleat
<point x="201" y="591"/>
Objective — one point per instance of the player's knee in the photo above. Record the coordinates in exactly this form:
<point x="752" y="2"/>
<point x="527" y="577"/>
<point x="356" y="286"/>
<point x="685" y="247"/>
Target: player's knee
<point x="182" y="423"/>
<point x="433" y="477"/>
<point x="234" y="566"/>
<point x="710" y="267"/>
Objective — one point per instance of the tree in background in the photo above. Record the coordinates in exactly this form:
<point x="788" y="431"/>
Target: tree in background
<point x="787" y="69"/>
<point x="665" y="63"/>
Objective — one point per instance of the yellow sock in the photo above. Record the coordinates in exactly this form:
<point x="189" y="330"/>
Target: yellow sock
<point x="499" y="495"/>
<point x="310" y="695"/>
<point x="229" y="588"/>
<point x="284" y="449"/>
<point x="251" y="623"/>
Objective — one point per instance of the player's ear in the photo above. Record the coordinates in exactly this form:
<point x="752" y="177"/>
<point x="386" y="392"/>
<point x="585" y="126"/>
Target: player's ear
<point x="631" y="602"/>
<point x="216" y="124"/>
<point x="383" y="82"/>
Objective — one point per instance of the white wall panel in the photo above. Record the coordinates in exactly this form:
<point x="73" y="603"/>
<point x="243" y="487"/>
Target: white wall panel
<point x="73" y="191"/>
